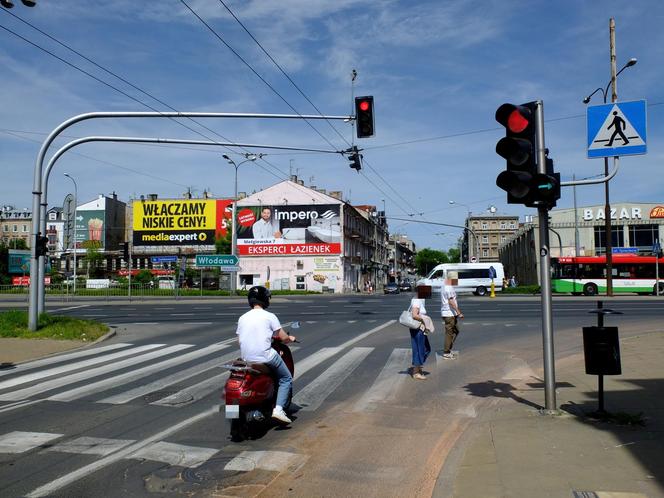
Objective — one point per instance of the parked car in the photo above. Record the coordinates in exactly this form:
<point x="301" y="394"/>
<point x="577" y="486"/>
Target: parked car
<point x="405" y="286"/>
<point x="391" y="288"/>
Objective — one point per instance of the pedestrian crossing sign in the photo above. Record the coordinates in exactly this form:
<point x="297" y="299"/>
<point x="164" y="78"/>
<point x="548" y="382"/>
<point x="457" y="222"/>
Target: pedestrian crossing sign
<point x="616" y="129"/>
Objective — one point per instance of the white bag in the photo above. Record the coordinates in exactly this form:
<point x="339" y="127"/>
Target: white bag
<point x="406" y="319"/>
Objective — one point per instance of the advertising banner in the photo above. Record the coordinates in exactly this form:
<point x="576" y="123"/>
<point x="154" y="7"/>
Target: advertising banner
<point x="289" y="230"/>
<point x="19" y="261"/>
<point x="186" y="222"/>
<point x="90" y="229"/>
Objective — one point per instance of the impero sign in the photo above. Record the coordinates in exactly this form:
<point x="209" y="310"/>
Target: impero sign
<point x="179" y="222"/>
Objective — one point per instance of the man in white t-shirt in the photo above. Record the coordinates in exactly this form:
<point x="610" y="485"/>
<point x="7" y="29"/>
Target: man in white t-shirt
<point x="255" y="330"/>
<point x="266" y="228"/>
<point x="450" y="312"/>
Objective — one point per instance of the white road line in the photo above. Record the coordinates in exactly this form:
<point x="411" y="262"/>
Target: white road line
<point x="175" y="454"/>
<point x="196" y="323"/>
<point x="182" y="314"/>
<point x="193" y="393"/>
<point x="20" y="441"/>
<point x="69" y="308"/>
<point x="351" y="321"/>
<point x="23" y="379"/>
<point x="133" y="375"/>
<point x="19" y="404"/>
<point x="388" y="382"/>
<point x="92" y="315"/>
<point x="87" y="374"/>
<point x="314" y="393"/>
<point x="358" y="338"/>
<point x="226" y="314"/>
<point x="312" y="360"/>
<point x="71" y="477"/>
<point x="91" y="446"/>
<point x="63" y="357"/>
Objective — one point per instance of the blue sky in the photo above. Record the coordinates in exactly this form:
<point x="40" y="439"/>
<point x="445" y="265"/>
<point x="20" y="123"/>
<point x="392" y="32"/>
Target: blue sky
<point x="438" y="70"/>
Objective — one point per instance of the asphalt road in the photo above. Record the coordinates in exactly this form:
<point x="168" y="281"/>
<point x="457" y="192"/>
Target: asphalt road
<point x="138" y="415"/>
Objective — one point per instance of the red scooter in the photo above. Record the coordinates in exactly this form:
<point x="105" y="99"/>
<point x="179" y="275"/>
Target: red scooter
<point x="250" y="393"/>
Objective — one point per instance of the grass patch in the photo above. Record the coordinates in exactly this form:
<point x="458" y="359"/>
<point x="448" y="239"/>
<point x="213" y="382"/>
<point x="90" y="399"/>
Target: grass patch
<point x="14" y="323"/>
<point x="522" y="289"/>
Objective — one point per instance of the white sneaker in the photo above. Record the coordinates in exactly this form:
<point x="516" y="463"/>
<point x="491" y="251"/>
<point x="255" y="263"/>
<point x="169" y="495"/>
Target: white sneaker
<point x="279" y="414"/>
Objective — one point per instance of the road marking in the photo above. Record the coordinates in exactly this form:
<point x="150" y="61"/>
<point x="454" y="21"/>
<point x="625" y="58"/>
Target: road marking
<point x="202" y="308"/>
<point x="276" y="461"/>
<point x="71" y="477"/>
<point x="68" y="356"/>
<point x="196" y="323"/>
<point x="133" y="375"/>
<point x="70" y="308"/>
<point x="20" y="441"/>
<point x="91" y="446"/>
<point x="182" y="314"/>
<point x="312" y="313"/>
<point x="318" y="306"/>
<point x="87" y="374"/>
<point x="23" y="379"/>
<point x="141" y="323"/>
<point x="226" y="314"/>
<point x="175" y="454"/>
<point x="388" y="382"/>
<point x="19" y="404"/>
<point x="91" y="316"/>
<point x="351" y="321"/>
<point x="312" y="360"/>
<point x="358" y="338"/>
<point x="314" y="393"/>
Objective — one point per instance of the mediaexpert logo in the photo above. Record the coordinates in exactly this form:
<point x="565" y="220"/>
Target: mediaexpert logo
<point x="657" y="212"/>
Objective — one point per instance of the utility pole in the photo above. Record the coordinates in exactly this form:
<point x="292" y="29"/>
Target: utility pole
<point x="607" y="207"/>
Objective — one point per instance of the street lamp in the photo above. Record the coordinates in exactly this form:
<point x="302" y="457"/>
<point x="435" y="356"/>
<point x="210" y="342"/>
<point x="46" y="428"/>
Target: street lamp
<point x="248" y="158"/>
<point x="607" y="207"/>
<point x="75" y="231"/>
<point x="475" y="246"/>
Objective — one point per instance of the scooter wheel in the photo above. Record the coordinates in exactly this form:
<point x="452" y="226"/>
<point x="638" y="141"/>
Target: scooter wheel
<point x="239" y="429"/>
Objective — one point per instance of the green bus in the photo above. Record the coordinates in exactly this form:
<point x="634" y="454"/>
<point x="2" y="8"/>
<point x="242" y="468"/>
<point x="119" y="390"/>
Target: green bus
<point x="587" y="274"/>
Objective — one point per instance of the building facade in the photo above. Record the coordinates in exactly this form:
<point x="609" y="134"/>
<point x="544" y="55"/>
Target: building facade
<point x="488" y="233"/>
<point x="15" y="225"/>
<point x="635" y="227"/>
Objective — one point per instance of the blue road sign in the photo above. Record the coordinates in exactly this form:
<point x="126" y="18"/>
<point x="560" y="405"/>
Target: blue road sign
<point x="492" y="272"/>
<point x="624" y="250"/>
<point x="616" y="129"/>
<point x="164" y="259"/>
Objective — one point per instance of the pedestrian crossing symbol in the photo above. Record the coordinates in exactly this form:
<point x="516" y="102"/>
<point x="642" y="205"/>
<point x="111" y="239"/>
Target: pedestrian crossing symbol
<point x="616" y="129"/>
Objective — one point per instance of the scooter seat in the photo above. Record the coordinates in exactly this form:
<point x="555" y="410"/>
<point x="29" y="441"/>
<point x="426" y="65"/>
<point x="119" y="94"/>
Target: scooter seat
<point x="259" y="367"/>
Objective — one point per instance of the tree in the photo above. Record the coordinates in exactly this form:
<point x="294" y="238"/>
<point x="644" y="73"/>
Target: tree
<point x="427" y="258"/>
<point x="94" y="257"/>
<point x="224" y="244"/>
<point x="142" y="277"/>
<point x="454" y="255"/>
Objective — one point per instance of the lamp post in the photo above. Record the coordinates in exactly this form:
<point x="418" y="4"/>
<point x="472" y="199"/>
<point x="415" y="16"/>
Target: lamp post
<point x="248" y="158"/>
<point x="75" y="231"/>
<point x="475" y="247"/>
<point x="607" y="207"/>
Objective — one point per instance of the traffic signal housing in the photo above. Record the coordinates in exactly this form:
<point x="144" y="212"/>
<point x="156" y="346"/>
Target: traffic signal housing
<point x="364" y="116"/>
<point x="41" y="245"/>
<point x="355" y="158"/>
<point x="125" y="250"/>
<point x="521" y="178"/>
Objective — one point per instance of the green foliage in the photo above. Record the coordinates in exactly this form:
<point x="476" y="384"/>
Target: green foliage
<point x="142" y="277"/>
<point x="454" y="255"/>
<point x="522" y="289"/>
<point x="224" y="245"/>
<point x="14" y="323"/>
<point x="94" y="257"/>
<point x="427" y="259"/>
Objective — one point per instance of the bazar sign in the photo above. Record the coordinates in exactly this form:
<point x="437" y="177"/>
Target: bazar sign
<point x="632" y="213"/>
<point x="288" y="249"/>
<point x="179" y="222"/>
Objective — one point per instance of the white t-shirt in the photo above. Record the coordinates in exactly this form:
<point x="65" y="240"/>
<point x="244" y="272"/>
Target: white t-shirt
<point x="264" y="229"/>
<point x="446" y="294"/>
<point x="255" y="330"/>
<point x="418" y="303"/>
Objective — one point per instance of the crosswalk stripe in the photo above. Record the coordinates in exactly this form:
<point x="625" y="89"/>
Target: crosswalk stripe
<point x="88" y="374"/>
<point x="314" y="393"/>
<point x="63" y="357"/>
<point x="20" y="441"/>
<point x="71" y="477"/>
<point x="388" y="382"/>
<point x="311" y="361"/>
<point x="91" y="446"/>
<point x="175" y="454"/>
<point x="132" y="375"/>
<point x="23" y="379"/>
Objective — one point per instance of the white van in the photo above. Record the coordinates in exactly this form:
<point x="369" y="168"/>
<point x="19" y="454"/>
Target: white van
<point x="473" y="277"/>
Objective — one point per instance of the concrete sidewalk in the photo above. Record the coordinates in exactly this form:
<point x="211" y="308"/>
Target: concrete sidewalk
<point x="514" y="451"/>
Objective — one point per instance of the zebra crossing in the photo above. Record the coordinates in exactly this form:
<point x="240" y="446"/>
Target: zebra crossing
<point x="172" y="376"/>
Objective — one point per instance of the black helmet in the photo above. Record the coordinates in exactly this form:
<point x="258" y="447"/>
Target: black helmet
<point x="259" y="295"/>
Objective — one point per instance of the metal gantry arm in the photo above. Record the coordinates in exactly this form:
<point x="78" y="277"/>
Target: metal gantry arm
<point x="37" y="282"/>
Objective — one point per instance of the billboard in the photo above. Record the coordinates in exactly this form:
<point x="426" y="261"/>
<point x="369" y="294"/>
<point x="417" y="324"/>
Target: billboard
<point x="18" y="261"/>
<point x="187" y="222"/>
<point x="289" y="230"/>
<point x="90" y="228"/>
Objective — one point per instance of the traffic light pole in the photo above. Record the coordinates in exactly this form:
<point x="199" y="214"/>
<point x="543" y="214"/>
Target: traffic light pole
<point x="545" y="275"/>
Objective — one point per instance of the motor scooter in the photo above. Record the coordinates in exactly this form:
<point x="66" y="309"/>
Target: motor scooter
<point x="250" y="393"/>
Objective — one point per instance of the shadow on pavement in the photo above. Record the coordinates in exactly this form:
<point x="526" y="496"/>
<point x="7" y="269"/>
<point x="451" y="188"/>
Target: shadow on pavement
<point x="635" y="417"/>
<point x="494" y="389"/>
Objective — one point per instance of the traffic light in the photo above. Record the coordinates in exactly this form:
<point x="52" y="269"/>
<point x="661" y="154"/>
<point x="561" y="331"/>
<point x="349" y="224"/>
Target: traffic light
<point x="355" y="158"/>
<point x="10" y="3"/>
<point x="41" y="245"/>
<point x="364" y="116"/>
<point x="522" y="180"/>
<point x="125" y="250"/>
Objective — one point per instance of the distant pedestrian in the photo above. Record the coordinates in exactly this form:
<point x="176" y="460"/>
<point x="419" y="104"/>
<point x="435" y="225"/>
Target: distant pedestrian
<point x="512" y="281"/>
<point x="419" y="342"/>
<point x="450" y="312"/>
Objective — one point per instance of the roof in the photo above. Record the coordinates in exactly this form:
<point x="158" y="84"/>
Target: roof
<point x="288" y="192"/>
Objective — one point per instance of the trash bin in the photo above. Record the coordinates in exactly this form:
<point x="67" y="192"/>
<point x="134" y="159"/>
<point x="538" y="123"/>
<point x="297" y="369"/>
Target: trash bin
<point x="601" y="350"/>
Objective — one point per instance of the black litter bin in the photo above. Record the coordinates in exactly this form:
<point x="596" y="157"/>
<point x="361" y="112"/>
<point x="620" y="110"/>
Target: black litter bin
<point x="601" y="350"/>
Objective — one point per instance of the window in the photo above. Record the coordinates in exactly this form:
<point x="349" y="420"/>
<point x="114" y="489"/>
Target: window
<point x="52" y="216"/>
<point x="5" y="228"/>
<point x="485" y="225"/>
<point x="25" y="228"/>
<point x="643" y="236"/>
<point x="485" y="238"/>
<point x="485" y="252"/>
<point x="503" y="225"/>
<point x="617" y="238"/>
<point x="512" y="224"/>
<point x="502" y="238"/>
<point x="15" y="228"/>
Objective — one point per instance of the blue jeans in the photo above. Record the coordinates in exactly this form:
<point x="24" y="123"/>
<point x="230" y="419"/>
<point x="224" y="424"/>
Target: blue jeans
<point x="284" y="378"/>
<point x="420" y="346"/>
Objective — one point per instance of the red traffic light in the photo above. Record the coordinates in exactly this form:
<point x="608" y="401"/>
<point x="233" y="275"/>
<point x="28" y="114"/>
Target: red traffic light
<point x="364" y="113"/>
<point x="364" y="105"/>
<point x="515" y="118"/>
